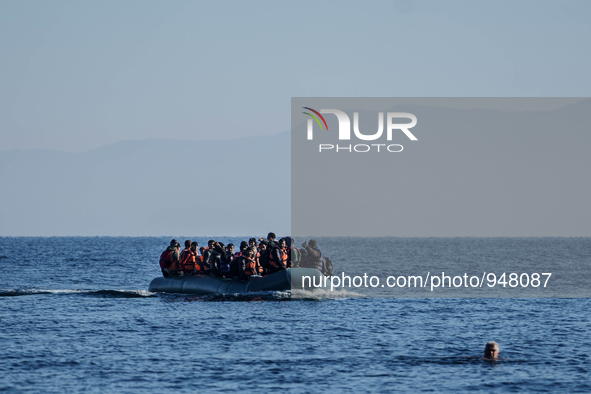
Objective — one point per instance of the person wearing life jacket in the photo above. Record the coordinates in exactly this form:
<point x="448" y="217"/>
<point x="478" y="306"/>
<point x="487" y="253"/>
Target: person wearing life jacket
<point x="247" y="265"/>
<point x="277" y="257"/>
<point x="197" y="258"/>
<point x="284" y="252"/>
<point x="262" y="250"/>
<point x="252" y="242"/>
<point x="226" y="261"/>
<point x="296" y="254"/>
<point x="236" y="265"/>
<point x="220" y="260"/>
<point x="189" y="261"/>
<point x="271" y="240"/>
<point x="169" y="260"/>
<point x="199" y="264"/>
<point x="234" y="272"/>
<point x="243" y="246"/>
<point x="314" y="255"/>
<point x="293" y="254"/>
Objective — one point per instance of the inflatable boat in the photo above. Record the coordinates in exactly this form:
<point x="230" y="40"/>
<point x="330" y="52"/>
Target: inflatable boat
<point x="291" y="278"/>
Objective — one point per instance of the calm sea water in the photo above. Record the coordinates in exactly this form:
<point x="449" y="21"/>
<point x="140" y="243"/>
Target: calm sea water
<point x="76" y="316"/>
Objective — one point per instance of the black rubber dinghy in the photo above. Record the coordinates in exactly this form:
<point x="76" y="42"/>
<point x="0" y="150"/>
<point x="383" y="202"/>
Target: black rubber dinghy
<point x="291" y="278"/>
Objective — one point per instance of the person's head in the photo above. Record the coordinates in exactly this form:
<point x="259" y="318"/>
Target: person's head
<point x="230" y="248"/>
<point x="282" y="243"/>
<point x="194" y="246"/>
<point x="290" y="241"/>
<point x="263" y="246"/>
<point x="312" y="243"/>
<point x="210" y="243"/>
<point x="491" y="350"/>
<point x="201" y="250"/>
<point x="249" y="252"/>
<point x="252" y="242"/>
<point x="243" y="245"/>
<point x="175" y="243"/>
<point x="188" y="243"/>
<point x="271" y="237"/>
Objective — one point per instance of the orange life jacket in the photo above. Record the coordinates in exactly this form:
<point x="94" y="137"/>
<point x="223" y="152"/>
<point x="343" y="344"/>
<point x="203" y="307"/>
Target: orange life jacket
<point x="283" y="259"/>
<point x="250" y="267"/>
<point x="168" y="262"/>
<point x="187" y="260"/>
<point x="199" y="264"/>
<point x="259" y="266"/>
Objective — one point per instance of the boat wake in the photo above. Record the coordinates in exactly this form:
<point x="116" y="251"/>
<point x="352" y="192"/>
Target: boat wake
<point x="106" y="293"/>
<point x="230" y="297"/>
<point x="284" y="295"/>
<point x="323" y="294"/>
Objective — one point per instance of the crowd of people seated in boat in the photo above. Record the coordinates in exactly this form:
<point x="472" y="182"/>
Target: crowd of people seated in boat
<point x="254" y="258"/>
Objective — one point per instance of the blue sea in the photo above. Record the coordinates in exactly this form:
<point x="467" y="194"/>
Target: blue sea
<point x="76" y="316"/>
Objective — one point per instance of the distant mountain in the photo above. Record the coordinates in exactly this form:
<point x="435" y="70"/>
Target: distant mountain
<point x="472" y="172"/>
<point x="150" y="187"/>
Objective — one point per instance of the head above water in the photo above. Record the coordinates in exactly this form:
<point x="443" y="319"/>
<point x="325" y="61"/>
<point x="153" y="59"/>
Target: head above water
<point x="312" y="243"/>
<point x="188" y="243"/>
<point x="175" y="243"/>
<point x="491" y="350"/>
<point x="194" y="245"/>
<point x="271" y="237"/>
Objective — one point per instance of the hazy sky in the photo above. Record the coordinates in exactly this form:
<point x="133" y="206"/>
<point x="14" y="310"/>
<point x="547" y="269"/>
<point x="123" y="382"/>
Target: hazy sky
<point x="75" y="75"/>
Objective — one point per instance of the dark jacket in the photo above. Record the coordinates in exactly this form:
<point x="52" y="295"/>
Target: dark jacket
<point x="234" y="267"/>
<point x="246" y="267"/>
<point x="206" y="264"/>
<point x="314" y="258"/>
<point x="275" y="255"/>
<point x="220" y="261"/>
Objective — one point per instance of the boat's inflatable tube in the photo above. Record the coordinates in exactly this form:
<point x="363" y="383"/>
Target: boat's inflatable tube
<point x="292" y="278"/>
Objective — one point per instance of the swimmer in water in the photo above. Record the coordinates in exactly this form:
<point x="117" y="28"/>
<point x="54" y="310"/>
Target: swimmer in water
<point x="491" y="350"/>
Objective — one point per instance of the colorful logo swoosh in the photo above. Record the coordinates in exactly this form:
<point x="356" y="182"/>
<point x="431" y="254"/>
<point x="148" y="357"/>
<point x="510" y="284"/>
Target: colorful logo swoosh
<point x="315" y="118"/>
